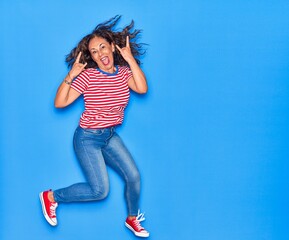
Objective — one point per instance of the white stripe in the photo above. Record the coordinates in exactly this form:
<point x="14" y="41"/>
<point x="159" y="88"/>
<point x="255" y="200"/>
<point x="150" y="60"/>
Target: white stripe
<point x="105" y="97"/>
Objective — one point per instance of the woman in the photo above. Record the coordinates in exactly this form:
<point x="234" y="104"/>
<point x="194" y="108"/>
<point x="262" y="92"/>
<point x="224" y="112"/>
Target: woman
<point x="104" y="68"/>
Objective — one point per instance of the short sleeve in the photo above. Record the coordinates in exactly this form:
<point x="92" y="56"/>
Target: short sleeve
<point x="128" y="73"/>
<point x="81" y="82"/>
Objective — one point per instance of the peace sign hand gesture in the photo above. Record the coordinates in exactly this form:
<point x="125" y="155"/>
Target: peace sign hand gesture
<point x="126" y="51"/>
<point x="77" y="67"/>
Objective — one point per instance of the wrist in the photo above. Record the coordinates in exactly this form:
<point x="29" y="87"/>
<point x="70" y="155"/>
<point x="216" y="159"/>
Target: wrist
<point x="68" y="79"/>
<point x="131" y="61"/>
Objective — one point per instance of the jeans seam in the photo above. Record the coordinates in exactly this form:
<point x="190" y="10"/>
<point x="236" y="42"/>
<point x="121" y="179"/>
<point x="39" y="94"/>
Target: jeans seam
<point x="125" y="178"/>
<point x="90" y="165"/>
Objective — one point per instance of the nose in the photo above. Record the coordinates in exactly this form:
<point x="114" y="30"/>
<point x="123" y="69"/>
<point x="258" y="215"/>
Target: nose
<point x="100" y="52"/>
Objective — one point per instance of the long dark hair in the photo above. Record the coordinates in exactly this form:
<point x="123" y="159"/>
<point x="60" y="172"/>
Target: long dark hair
<point x="106" y="30"/>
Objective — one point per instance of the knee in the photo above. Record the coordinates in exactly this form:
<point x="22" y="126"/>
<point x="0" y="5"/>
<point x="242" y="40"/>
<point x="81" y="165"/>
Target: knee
<point x="134" y="177"/>
<point x="133" y="184"/>
<point x="100" y="193"/>
<point x="103" y="194"/>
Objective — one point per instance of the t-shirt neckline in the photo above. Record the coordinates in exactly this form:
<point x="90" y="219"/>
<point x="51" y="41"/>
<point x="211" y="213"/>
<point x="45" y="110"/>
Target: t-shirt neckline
<point x="107" y="73"/>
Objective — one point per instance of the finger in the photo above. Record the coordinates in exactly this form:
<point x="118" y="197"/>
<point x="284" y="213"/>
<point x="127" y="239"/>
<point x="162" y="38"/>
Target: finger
<point x="78" y="57"/>
<point x="82" y="67"/>
<point x="119" y="49"/>
<point x="127" y="41"/>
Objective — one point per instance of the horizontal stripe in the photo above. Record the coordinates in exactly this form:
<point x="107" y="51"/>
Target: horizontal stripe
<point x="105" y="96"/>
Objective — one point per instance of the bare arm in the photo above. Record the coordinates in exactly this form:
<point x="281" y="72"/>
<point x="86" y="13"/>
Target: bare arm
<point x="65" y="94"/>
<point x="138" y="81"/>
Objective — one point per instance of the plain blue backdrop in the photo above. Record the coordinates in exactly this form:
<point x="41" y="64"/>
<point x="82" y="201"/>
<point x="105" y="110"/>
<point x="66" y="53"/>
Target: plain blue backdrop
<point x="211" y="136"/>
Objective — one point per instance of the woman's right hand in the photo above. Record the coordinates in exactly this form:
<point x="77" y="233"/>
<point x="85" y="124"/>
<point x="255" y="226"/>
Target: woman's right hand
<point x="65" y="94"/>
<point x="77" y="67"/>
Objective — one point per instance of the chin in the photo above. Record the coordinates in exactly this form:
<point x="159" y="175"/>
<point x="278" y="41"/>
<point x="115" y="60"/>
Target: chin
<point x="109" y="68"/>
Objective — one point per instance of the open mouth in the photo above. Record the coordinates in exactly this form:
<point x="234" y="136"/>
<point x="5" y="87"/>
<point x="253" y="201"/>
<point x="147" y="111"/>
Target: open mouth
<point x="105" y="60"/>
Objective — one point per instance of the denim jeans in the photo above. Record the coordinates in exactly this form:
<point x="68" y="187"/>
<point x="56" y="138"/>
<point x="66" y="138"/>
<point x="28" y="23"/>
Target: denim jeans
<point x="96" y="149"/>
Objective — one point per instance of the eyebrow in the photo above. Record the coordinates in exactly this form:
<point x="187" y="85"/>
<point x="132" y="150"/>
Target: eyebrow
<point x="92" y="49"/>
<point x="96" y="48"/>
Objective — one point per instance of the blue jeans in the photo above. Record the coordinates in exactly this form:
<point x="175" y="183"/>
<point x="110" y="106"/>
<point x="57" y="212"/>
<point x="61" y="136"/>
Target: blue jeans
<point x="96" y="149"/>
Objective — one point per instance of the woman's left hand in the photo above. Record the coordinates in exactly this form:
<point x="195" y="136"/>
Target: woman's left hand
<point x="138" y="80"/>
<point x="126" y="52"/>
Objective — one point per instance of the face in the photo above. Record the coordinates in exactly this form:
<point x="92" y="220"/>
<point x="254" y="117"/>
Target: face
<point x="101" y="52"/>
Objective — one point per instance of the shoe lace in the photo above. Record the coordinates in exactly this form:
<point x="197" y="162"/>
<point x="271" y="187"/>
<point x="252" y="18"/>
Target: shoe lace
<point x="139" y="218"/>
<point x="52" y="208"/>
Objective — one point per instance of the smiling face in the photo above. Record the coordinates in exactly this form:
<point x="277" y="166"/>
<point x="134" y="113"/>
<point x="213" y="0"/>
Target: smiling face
<point x="101" y="52"/>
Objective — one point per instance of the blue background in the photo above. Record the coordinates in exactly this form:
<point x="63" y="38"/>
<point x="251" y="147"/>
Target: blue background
<point x="210" y="138"/>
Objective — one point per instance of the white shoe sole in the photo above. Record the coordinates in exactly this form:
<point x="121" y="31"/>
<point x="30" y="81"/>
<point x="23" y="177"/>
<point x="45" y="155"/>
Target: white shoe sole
<point x="138" y="234"/>
<point x="44" y="211"/>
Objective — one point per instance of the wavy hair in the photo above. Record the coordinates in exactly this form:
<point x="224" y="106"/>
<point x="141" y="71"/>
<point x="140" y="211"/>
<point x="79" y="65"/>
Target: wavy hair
<point x="106" y="30"/>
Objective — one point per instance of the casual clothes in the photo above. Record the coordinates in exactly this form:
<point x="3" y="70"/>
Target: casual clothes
<point x="96" y="143"/>
<point x="96" y="148"/>
<point x="105" y="96"/>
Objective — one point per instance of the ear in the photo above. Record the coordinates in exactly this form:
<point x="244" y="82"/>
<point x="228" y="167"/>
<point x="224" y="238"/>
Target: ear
<point x="113" y="47"/>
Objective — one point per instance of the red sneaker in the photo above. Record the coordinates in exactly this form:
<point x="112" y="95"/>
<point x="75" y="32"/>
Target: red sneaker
<point x="48" y="208"/>
<point x="134" y="225"/>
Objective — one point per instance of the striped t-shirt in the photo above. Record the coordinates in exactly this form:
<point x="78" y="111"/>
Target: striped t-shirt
<point x="105" y="96"/>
